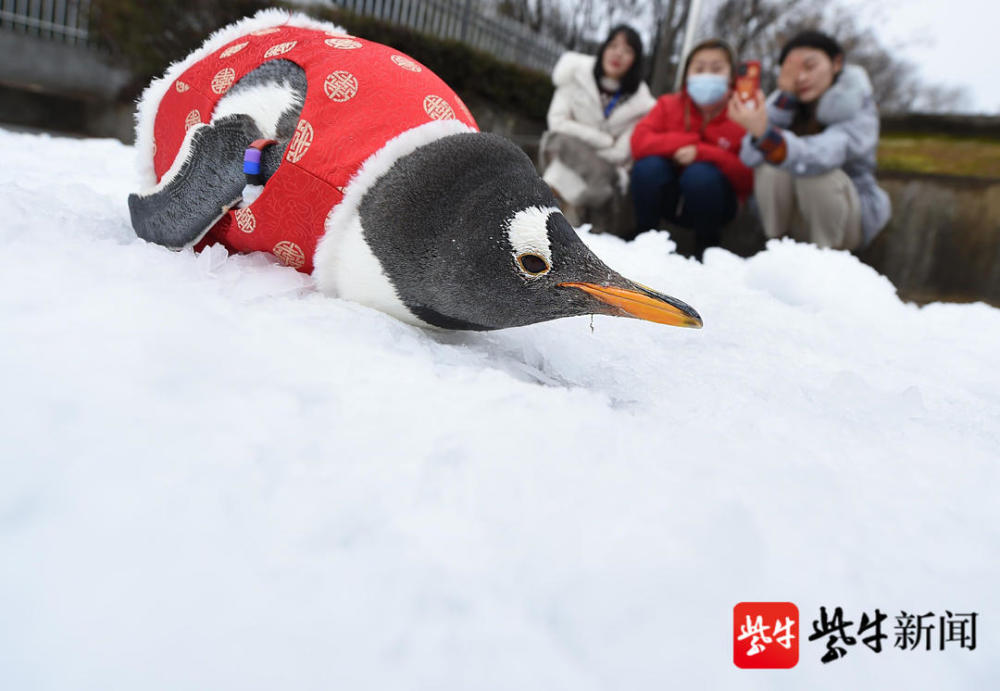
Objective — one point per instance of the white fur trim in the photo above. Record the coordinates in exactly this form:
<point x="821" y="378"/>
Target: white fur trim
<point x="183" y="154"/>
<point x="855" y="78"/>
<point x="250" y="195"/>
<point x="265" y="103"/>
<point x="528" y="233"/>
<point x="846" y="97"/>
<point x="149" y="102"/>
<point x="344" y="265"/>
<point x="571" y="66"/>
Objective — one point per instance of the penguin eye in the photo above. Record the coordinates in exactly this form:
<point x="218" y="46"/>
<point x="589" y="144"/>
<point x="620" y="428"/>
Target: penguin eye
<point x="533" y="264"/>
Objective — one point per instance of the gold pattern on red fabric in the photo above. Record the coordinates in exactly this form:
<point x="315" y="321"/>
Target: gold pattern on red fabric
<point x="437" y="108"/>
<point x="223" y="79"/>
<point x="301" y="141"/>
<point x="406" y="63"/>
<point x="343" y="43"/>
<point x="245" y="220"/>
<point x="340" y="86"/>
<point x="289" y="254"/>
<point x="280" y="49"/>
<point x="193" y="118"/>
<point x="233" y="50"/>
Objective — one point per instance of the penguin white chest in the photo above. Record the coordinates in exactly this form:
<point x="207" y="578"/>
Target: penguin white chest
<point x="265" y="103"/>
<point x="346" y="267"/>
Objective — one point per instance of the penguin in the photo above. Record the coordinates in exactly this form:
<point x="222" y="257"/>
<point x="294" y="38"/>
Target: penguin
<point x="351" y="161"/>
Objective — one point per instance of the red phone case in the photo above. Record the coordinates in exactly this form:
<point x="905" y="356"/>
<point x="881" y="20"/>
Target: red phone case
<point x="748" y="81"/>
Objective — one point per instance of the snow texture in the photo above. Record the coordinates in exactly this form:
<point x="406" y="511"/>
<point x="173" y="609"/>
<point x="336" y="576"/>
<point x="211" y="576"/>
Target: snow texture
<point x="214" y="477"/>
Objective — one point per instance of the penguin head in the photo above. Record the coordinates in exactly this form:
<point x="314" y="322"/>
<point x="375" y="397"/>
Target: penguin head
<point x="471" y="238"/>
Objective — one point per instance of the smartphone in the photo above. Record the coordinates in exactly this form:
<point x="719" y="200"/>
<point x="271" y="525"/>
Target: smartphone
<point x="748" y="80"/>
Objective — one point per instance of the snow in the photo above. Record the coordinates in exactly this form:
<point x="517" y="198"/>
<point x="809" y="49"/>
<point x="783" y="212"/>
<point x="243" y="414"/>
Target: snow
<point x="211" y="476"/>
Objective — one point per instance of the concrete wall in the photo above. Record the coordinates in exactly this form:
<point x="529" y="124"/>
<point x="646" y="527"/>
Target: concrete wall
<point x="50" y="67"/>
<point x="66" y="115"/>
<point x="943" y="242"/>
<point x="60" y="87"/>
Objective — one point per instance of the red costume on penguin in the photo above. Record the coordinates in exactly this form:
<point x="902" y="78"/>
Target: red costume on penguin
<point x="350" y="161"/>
<point x="360" y="95"/>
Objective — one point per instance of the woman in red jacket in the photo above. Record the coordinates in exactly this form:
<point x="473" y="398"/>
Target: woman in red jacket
<point x="686" y="151"/>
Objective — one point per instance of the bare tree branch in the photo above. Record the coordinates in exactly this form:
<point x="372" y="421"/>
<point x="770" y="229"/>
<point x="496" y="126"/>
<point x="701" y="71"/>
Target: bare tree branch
<point x="755" y="28"/>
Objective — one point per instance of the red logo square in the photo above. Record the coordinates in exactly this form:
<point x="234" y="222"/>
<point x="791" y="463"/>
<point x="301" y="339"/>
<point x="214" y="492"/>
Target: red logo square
<point x="765" y="635"/>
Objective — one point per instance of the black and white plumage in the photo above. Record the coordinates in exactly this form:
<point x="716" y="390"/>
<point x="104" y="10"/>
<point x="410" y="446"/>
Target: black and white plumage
<point x="470" y="238"/>
<point x="442" y="227"/>
<point x="206" y="179"/>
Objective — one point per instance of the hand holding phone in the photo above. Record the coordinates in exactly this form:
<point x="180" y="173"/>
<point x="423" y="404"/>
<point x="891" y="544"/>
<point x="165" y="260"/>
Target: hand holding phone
<point x="749" y="115"/>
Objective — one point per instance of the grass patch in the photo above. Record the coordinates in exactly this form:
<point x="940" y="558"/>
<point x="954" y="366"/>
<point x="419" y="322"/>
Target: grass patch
<point x="942" y="155"/>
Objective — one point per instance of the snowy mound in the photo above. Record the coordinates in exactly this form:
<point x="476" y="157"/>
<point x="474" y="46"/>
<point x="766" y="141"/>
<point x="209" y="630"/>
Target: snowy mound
<point x="213" y="477"/>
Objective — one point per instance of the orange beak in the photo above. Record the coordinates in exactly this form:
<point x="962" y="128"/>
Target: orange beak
<point x="643" y="303"/>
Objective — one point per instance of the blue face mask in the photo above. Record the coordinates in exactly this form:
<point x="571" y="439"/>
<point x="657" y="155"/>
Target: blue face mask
<point x="706" y="89"/>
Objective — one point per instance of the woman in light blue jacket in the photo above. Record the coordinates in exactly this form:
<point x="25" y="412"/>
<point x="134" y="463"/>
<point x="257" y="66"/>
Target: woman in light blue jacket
<point x="813" y="148"/>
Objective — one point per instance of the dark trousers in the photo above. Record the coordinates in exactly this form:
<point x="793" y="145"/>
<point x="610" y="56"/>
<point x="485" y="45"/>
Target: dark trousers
<point x="697" y="196"/>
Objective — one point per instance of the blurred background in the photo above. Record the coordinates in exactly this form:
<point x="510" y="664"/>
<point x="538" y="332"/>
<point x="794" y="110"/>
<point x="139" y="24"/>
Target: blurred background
<point x="76" y="67"/>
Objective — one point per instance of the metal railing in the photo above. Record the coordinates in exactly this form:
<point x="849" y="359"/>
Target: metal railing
<point x="462" y="20"/>
<point x="66" y="21"/>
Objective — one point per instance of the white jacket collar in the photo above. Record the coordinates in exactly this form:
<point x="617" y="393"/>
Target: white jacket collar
<point x="574" y="67"/>
<point x="846" y="97"/>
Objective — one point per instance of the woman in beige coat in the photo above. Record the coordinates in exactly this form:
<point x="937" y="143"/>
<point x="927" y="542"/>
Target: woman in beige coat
<point x="597" y="103"/>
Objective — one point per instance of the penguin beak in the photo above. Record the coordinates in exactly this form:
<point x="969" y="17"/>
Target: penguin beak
<point x="641" y="302"/>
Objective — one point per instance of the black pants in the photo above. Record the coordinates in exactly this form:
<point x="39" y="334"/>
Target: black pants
<point x="697" y="196"/>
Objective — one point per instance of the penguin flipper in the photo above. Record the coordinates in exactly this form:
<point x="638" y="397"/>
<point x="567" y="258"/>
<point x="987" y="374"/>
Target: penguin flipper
<point x="178" y="212"/>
